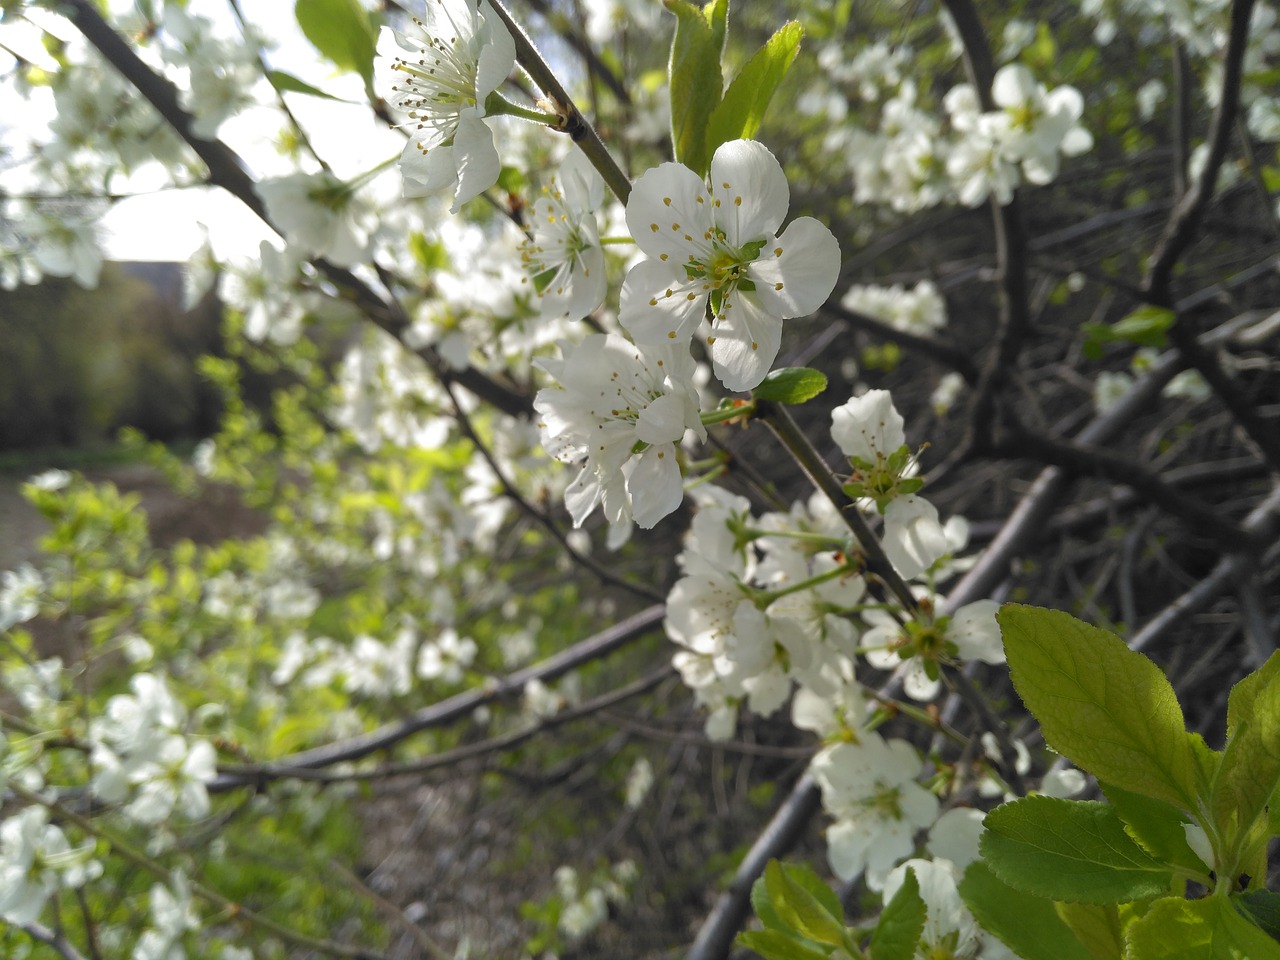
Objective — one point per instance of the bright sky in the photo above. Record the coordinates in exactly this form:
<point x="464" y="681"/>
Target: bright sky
<point x="166" y="224"/>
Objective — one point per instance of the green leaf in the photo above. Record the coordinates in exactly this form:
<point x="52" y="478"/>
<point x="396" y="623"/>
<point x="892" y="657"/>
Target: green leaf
<point x="1028" y="925"/>
<point x="801" y="909"/>
<point x="1157" y="826"/>
<point x="694" y="77"/>
<point x="1250" y="769"/>
<point x="901" y="922"/>
<point x="1069" y="850"/>
<point x="739" y="114"/>
<point x="763" y="906"/>
<point x="288" y="83"/>
<point x="1263" y="908"/>
<point x="1106" y="708"/>
<point x="1096" y="926"/>
<point x="1207" y="929"/>
<point x="1245" y="693"/>
<point x="342" y="31"/>
<point x="791" y="385"/>
<point x="776" y="945"/>
<point x="1145" y="327"/>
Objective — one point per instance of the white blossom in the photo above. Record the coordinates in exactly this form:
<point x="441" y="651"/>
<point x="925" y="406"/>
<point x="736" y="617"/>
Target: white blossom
<point x="442" y="80"/>
<point x="564" y="259"/>
<point x="620" y="410"/>
<point x="716" y="244"/>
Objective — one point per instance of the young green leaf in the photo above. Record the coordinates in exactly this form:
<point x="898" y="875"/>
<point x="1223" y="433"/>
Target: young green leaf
<point x="776" y="945"/>
<point x="801" y="910"/>
<point x="288" y="83"/>
<point x="791" y="385"/>
<point x="739" y="114"/>
<point x="694" y="77"/>
<point x="1106" y="708"/>
<point x="1096" y="926"/>
<point x="1069" y="850"/>
<point x="1207" y="929"/>
<point x="1240" y="703"/>
<point x="1157" y="826"/>
<point x="1263" y="908"/>
<point x="1026" y="924"/>
<point x="342" y="32"/>
<point x="901" y="922"/>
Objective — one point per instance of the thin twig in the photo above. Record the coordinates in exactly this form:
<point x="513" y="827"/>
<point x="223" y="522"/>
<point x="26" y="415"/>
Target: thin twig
<point x="576" y="125"/>
<point x="460" y="705"/>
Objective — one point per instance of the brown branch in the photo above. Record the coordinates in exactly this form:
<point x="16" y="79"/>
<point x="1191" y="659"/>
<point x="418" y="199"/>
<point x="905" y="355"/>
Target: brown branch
<point x="815" y="468"/>
<point x="460" y="705"/>
<point x="264" y="772"/>
<point x="927" y="346"/>
<point x="576" y="125"/>
<point x="1085" y="459"/>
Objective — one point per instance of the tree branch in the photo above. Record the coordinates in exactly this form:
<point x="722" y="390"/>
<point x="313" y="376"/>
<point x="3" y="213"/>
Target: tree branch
<point x="460" y="705"/>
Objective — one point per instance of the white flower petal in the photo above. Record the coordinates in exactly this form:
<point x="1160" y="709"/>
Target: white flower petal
<point x="796" y="275"/>
<point x="655" y="305"/>
<point x="654" y="485"/>
<point x="751" y="189"/>
<point x="747" y="338"/>
<point x="477" y="159"/>
<point x="668" y="212"/>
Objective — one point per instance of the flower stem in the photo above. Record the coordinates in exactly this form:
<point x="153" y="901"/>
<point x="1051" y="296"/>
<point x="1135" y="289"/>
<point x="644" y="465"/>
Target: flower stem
<point x="498" y="105"/>
<point x="766" y="597"/>
<point x="741" y="411"/>
<point x="794" y="439"/>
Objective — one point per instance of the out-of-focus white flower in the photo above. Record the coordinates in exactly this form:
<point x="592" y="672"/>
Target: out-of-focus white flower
<point x="639" y="783"/>
<point x="1110" y="388"/>
<point x="564" y="259"/>
<point x="620" y="410"/>
<point x="949" y="928"/>
<point x="319" y="214"/>
<point x="1150" y="95"/>
<point x="20" y="595"/>
<point x="955" y="835"/>
<point x="1041" y="124"/>
<point x="716" y="243"/>
<point x="870" y="788"/>
<point x="35" y="860"/>
<point x="447" y="657"/>
<point x="442" y="80"/>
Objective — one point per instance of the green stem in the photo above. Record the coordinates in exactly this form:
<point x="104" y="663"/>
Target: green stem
<point x="726" y="414"/>
<point x="575" y="124"/>
<point x="803" y="536"/>
<point x="765" y="597"/>
<point x="497" y="105"/>
<point x="611" y="241"/>
<point x="794" y="439"/>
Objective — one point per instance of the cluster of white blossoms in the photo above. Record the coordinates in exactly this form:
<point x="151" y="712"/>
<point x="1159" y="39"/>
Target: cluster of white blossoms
<point x="920" y="310"/>
<point x="142" y="754"/>
<point x="917" y="158"/>
<point x="778" y="608"/>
